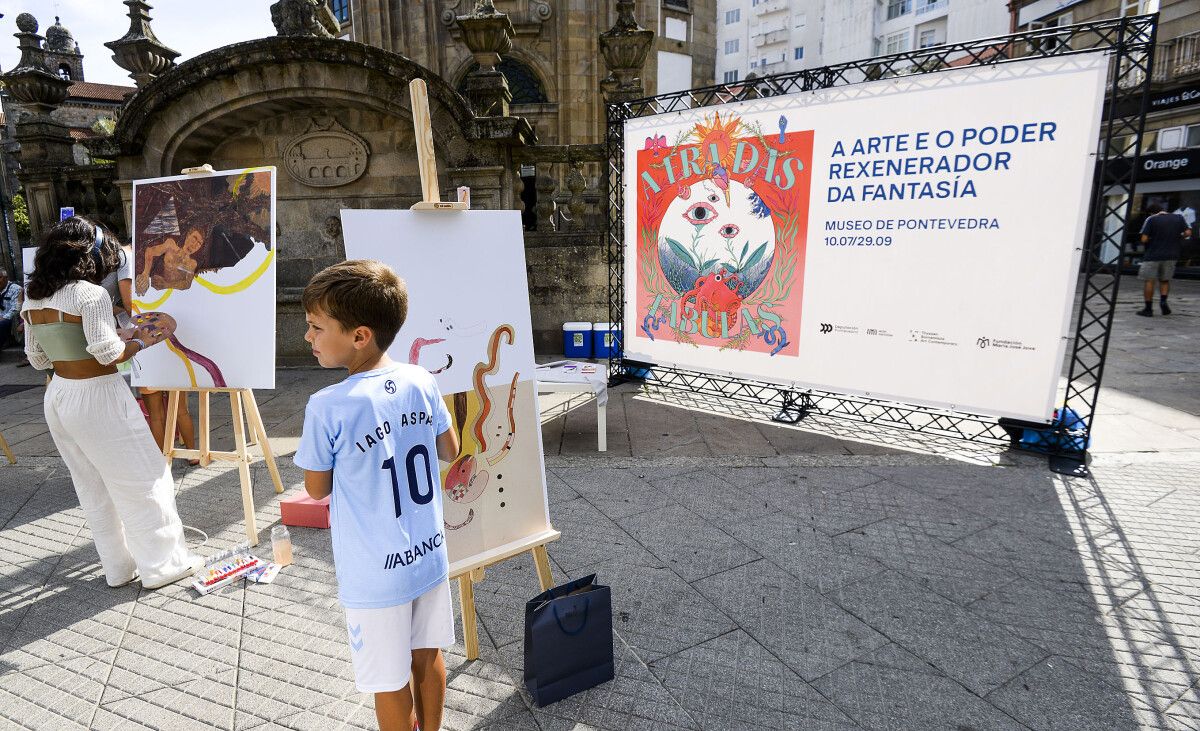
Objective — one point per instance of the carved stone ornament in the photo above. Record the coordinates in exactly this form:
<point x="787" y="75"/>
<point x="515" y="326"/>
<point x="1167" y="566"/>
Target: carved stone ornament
<point x="304" y="18"/>
<point x="326" y="155"/>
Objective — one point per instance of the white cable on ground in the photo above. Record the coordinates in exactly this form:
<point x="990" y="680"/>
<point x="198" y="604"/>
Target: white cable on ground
<point x="203" y="542"/>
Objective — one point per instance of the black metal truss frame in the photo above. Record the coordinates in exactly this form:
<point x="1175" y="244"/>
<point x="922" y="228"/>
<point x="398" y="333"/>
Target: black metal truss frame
<point x="1129" y="40"/>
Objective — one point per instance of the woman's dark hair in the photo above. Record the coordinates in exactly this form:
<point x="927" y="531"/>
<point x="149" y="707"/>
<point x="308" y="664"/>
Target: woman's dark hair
<point x="69" y="253"/>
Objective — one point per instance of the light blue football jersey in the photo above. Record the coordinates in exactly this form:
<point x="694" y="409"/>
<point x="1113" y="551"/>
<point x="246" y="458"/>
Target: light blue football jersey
<point x="377" y="431"/>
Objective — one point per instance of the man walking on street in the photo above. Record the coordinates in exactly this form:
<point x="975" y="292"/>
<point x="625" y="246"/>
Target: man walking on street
<point x="1162" y="235"/>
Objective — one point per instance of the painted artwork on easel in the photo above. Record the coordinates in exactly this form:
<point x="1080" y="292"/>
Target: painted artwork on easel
<point x="469" y="324"/>
<point x="204" y="253"/>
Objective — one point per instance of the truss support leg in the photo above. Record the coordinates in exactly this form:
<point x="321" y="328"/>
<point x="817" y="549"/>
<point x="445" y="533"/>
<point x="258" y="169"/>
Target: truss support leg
<point x="793" y="410"/>
<point x="1071" y="464"/>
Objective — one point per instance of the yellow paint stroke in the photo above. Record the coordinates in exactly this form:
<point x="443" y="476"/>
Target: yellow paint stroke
<point x="186" y="363"/>
<point x="139" y="306"/>
<point x="239" y="286"/>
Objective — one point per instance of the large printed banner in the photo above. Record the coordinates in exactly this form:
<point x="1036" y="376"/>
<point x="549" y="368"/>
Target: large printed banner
<point x="915" y="239"/>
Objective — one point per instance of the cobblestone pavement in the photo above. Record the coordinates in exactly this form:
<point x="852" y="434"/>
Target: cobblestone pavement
<point x="763" y="577"/>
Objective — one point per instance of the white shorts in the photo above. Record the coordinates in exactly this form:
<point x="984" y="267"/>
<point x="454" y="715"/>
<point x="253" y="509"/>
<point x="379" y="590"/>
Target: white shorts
<point x="382" y="639"/>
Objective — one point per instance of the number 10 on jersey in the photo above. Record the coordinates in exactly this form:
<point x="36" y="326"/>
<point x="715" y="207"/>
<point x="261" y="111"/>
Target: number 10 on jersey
<point x="410" y="469"/>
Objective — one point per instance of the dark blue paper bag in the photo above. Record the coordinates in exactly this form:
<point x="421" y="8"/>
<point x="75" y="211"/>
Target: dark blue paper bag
<point x="568" y="640"/>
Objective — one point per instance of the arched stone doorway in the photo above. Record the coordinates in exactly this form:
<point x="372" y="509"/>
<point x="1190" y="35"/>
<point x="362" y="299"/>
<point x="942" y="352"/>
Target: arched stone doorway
<point x="334" y="118"/>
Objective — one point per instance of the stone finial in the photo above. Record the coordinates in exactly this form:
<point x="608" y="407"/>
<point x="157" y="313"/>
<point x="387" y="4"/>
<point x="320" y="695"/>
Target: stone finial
<point x="625" y="47"/>
<point x="304" y="18"/>
<point x="31" y="83"/>
<point x="139" y="51"/>
<point x="488" y="34"/>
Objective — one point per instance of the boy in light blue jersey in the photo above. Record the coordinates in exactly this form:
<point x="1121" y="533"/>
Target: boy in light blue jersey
<point x="373" y="441"/>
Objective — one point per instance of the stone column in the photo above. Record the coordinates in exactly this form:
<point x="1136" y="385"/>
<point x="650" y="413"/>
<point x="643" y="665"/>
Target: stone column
<point x="45" y="144"/>
<point x="488" y="34"/>
<point x="139" y="51"/>
<point x="624" y="48"/>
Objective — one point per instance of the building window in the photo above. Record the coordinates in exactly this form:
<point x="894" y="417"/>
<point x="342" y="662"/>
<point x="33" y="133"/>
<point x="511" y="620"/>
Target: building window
<point x="1193" y="136"/>
<point x="733" y="16"/>
<point x="341" y="10"/>
<point x="754" y="64"/>
<point x="676" y="4"/>
<point x="64" y="72"/>
<point x="801" y="20"/>
<point x="799" y="53"/>
<point x="754" y="3"/>
<point x="896" y="42"/>
<point x="524" y="84"/>
<point x="1053" y="42"/>
<point x="731" y="76"/>
<point x="896" y="8"/>
<point x="928" y="38"/>
<point x="1138" y="7"/>
<point x="732" y="46"/>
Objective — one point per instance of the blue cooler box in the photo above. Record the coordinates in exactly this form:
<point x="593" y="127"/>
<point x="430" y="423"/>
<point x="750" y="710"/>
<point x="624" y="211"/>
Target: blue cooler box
<point x="604" y="339"/>
<point x="577" y="339"/>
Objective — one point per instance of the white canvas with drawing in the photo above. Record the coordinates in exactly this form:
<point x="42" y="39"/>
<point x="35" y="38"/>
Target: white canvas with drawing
<point x="469" y="324"/>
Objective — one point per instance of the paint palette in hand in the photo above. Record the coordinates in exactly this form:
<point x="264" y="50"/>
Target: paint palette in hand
<point x="153" y="327"/>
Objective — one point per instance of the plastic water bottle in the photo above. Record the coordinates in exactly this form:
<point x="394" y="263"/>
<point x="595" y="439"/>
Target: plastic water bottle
<point x="281" y="545"/>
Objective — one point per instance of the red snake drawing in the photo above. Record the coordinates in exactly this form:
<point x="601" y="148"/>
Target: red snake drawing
<point x="484" y="369"/>
<point x="414" y="352"/>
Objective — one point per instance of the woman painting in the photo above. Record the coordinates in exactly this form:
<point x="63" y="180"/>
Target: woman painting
<point x="124" y="487"/>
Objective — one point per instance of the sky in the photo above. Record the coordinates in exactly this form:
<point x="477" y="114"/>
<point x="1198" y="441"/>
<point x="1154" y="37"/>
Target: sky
<point x="188" y="26"/>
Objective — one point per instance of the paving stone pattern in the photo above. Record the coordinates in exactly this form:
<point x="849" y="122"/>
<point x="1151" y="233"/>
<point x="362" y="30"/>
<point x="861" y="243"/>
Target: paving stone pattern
<point x="826" y="577"/>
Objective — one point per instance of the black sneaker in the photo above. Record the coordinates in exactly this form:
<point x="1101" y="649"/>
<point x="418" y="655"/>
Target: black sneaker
<point x="1165" y="310"/>
<point x="1146" y="312"/>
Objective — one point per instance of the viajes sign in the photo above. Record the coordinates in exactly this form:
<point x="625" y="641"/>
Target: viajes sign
<point x="866" y="239"/>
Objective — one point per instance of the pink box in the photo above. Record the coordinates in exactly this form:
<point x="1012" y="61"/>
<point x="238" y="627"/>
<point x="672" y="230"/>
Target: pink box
<point x="302" y="511"/>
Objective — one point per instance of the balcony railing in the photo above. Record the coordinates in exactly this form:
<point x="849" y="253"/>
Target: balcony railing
<point x="770" y="39"/>
<point x="931" y="7"/>
<point x="1177" y="58"/>
<point x="771" y="6"/>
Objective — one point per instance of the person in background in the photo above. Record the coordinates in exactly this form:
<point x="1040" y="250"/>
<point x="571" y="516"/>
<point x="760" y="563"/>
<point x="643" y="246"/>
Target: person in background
<point x="126" y="490"/>
<point x="10" y="303"/>
<point x="1162" y="235"/>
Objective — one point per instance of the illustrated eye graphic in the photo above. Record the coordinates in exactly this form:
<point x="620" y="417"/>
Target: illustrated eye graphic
<point x="700" y="213"/>
<point x="713" y="198"/>
<point x="720" y="277"/>
<point x="729" y="230"/>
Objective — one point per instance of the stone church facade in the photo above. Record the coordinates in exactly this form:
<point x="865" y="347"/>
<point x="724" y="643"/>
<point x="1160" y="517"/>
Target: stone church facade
<point x="334" y="118"/>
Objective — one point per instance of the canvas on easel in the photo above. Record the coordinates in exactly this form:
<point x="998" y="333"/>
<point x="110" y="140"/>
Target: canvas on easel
<point x="204" y="252"/>
<point x="469" y="324"/>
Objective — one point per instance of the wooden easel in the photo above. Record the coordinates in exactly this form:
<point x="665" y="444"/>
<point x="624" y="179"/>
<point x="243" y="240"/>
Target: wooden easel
<point x="468" y="571"/>
<point x="7" y="450"/>
<point x="243" y="408"/>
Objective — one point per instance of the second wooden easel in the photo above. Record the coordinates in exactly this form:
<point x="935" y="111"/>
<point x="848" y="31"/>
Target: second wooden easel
<point x="469" y="571"/>
<point x="243" y="409"/>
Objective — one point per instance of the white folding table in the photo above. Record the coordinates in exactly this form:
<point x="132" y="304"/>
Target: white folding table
<point x="567" y="376"/>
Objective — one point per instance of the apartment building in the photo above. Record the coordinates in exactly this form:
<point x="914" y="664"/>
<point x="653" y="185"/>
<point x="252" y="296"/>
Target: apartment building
<point x="773" y="36"/>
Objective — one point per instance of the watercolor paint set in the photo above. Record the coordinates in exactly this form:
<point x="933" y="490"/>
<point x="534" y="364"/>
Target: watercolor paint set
<point x="226" y="567"/>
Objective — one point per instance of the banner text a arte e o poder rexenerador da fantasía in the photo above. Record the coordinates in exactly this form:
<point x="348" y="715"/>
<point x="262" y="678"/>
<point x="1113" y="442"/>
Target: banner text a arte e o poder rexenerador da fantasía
<point x="914" y="239"/>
